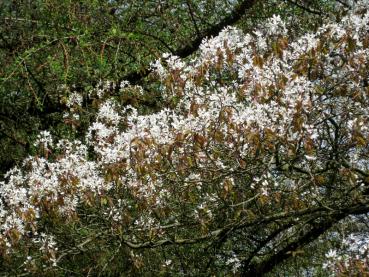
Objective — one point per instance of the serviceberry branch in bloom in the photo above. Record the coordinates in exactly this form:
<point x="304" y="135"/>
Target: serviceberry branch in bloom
<point x="262" y="148"/>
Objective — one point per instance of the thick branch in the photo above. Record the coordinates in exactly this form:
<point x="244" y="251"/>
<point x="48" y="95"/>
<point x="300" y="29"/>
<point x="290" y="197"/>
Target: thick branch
<point x="319" y="212"/>
<point x="303" y="7"/>
<point x="193" y="45"/>
<point x="317" y="229"/>
<point x="270" y="263"/>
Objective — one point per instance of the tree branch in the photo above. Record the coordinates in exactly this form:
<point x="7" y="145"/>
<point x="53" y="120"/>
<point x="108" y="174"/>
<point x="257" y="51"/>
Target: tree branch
<point x="326" y="212"/>
<point x="304" y="8"/>
<point x="192" y="46"/>
<point x="317" y="229"/>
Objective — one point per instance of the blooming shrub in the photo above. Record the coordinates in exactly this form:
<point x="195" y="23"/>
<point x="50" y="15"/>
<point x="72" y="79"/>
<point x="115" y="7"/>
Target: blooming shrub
<point x="262" y="146"/>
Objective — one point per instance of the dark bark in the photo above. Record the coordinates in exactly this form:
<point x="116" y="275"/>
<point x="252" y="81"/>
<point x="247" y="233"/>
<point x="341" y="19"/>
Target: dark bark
<point x="192" y="46"/>
<point x="318" y="227"/>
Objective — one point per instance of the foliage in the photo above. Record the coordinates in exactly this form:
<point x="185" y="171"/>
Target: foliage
<point x="49" y="49"/>
<point x="259" y="148"/>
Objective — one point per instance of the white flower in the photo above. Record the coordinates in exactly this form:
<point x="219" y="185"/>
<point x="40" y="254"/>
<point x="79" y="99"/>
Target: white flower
<point x="310" y="158"/>
<point x="332" y="254"/>
<point x="44" y="139"/>
<point x="107" y="113"/>
<point x="74" y="99"/>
